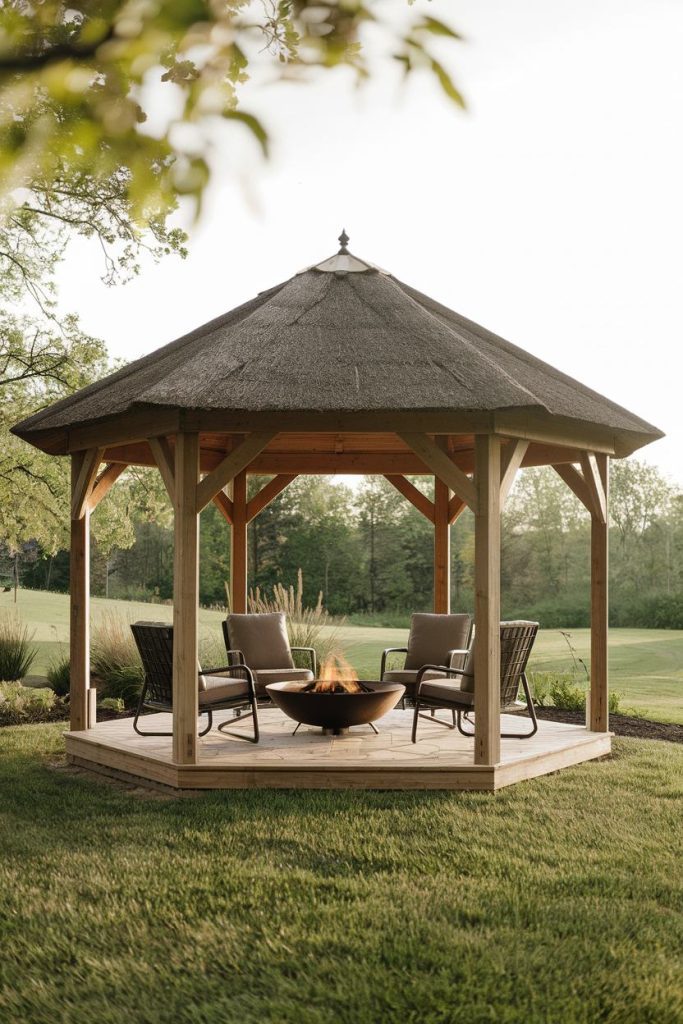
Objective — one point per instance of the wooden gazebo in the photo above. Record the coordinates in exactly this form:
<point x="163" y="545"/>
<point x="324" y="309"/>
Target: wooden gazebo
<point x="340" y="369"/>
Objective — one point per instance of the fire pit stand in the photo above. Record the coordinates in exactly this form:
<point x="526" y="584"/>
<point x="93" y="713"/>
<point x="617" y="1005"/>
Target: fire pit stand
<point x="335" y="712"/>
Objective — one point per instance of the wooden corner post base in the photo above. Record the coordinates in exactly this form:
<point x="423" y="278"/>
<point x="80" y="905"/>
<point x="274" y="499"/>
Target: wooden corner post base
<point x="185" y="599"/>
<point x="487" y="600"/>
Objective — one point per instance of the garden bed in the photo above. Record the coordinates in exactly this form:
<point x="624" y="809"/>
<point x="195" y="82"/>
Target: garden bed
<point x="620" y="725"/>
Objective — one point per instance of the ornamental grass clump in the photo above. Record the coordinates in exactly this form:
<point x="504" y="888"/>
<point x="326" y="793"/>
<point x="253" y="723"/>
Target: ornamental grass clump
<point x="114" y="659"/>
<point x="306" y="626"/>
<point x="17" y="652"/>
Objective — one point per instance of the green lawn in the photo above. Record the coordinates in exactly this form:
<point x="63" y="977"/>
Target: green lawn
<point x="558" y="901"/>
<point x="646" y="665"/>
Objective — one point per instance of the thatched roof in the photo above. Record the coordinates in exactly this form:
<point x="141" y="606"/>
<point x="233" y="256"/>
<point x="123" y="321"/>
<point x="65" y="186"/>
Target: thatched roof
<point x="340" y="336"/>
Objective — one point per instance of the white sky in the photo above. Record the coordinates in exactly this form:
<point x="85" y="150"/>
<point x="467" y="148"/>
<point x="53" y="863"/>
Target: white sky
<point x="551" y="212"/>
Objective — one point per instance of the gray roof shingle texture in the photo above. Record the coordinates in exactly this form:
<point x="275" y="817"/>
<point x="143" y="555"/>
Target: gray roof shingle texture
<point x="338" y="342"/>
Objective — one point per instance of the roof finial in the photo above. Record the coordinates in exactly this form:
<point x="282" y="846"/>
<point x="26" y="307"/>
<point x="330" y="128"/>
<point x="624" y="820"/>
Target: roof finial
<point x="344" y="240"/>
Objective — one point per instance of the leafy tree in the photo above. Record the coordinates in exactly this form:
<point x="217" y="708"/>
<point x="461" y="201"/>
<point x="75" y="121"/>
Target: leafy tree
<point x="79" y="80"/>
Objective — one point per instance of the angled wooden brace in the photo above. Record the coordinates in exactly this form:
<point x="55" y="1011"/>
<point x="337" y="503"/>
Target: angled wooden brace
<point x="87" y="473"/>
<point x="165" y="460"/>
<point x="268" y="493"/>
<point x="238" y="460"/>
<point x="442" y="466"/>
<point x="510" y="460"/>
<point x="413" y="494"/>
<point x="104" y="483"/>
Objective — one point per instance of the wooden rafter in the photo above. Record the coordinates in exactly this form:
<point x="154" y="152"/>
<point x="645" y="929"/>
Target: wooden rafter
<point x="413" y="494"/>
<point x="442" y="466"/>
<point x="268" y="493"/>
<point x="511" y="459"/>
<point x="104" y="483"/>
<point x="234" y="463"/>
<point x="87" y="472"/>
<point x="165" y="460"/>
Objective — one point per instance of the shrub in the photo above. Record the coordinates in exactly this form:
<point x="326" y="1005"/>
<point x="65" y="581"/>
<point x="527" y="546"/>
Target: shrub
<point x="59" y="674"/>
<point x="112" y="704"/>
<point x="559" y="690"/>
<point x="17" y="653"/>
<point x="22" y="704"/>
<point x="115" y="661"/>
<point x="307" y="627"/>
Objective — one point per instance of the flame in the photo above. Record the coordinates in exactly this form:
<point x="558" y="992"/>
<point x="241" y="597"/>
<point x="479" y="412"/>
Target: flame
<point x="337" y="676"/>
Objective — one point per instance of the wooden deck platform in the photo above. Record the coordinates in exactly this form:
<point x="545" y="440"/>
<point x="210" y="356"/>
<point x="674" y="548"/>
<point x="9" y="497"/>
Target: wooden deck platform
<point x="441" y="758"/>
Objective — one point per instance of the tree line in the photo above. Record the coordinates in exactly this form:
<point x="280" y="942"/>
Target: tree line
<point x="370" y="552"/>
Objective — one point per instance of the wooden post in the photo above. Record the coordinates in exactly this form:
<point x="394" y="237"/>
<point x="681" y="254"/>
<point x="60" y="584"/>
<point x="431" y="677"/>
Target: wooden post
<point x="238" y="545"/>
<point x="442" y="548"/>
<point x="79" y="591"/>
<point x="597" y="716"/>
<point x="185" y="599"/>
<point x="487" y="600"/>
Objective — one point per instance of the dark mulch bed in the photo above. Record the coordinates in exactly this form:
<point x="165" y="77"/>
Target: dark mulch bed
<point x="622" y="725"/>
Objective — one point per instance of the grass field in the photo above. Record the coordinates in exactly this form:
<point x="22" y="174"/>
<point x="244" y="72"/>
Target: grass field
<point x="558" y="900"/>
<point x="646" y="665"/>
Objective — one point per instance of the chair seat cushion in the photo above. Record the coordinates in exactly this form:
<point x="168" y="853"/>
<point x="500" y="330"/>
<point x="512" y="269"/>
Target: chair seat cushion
<point x="219" y="688"/>
<point x="407" y="677"/>
<point x="449" y="693"/>
<point x="263" y="676"/>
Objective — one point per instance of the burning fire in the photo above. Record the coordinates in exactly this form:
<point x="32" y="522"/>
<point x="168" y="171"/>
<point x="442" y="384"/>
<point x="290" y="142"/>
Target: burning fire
<point x="337" y="676"/>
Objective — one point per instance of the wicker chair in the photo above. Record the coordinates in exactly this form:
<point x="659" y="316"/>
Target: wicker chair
<point x="235" y="691"/>
<point x="436" y="642"/>
<point x="516" y="642"/>
<point x="261" y="642"/>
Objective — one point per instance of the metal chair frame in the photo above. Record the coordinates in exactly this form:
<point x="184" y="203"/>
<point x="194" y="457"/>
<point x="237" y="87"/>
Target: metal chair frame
<point x="154" y="641"/>
<point x="516" y="642"/>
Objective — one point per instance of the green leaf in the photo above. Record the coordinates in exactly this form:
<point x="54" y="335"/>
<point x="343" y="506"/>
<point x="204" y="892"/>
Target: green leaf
<point x="437" y="28"/>
<point x="446" y="83"/>
<point x="253" y="124"/>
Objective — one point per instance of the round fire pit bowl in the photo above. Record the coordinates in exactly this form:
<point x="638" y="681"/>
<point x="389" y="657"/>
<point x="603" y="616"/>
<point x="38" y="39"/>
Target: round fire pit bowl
<point x="335" y="712"/>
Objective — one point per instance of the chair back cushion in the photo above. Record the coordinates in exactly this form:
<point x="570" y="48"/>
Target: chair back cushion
<point x="432" y="636"/>
<point x="262" y="639"/>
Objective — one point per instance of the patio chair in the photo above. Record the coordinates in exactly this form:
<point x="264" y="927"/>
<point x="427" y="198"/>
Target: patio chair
<point x="437" y="642"/>
<point x="217" y="690"/>
<point x="261" y="642"/>
<point x="516" y="642"/>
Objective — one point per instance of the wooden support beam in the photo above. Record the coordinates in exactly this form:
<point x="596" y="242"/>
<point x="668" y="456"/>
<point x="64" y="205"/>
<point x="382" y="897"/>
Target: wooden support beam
<point x="87" y="472"/>
<point x="238" y="545"/>
<point x="597" y="717"/>
<point x="238" y="460"/>
<point x="595" y="486"/>
<point x="511" y="458"/>
<point x="456" y="507"/>
<point x="224" y="505"/>
<point x="79" y="600"/>
<point x="413" y="494"/>
<point x="487" y="601"/>
<point x="164" y="458"/>
<point x="442" y="549"/>
<point x="104" y="483"/>
<point x="185" y="599"/>
<point x="442" y="466"/>
<point x="268" y="493"/>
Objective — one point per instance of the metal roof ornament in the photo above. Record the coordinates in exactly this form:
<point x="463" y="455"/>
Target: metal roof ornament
<point x="344" y="241"/>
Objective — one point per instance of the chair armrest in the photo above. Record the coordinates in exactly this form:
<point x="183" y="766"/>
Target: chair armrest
<point x="448" y="672"/>
<point x="390" y="650"/>
<point x="314" y="658"/>
<point x="238" y="655"/>
<point x="451" y="654"/>
<point x="234" y="670"/>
